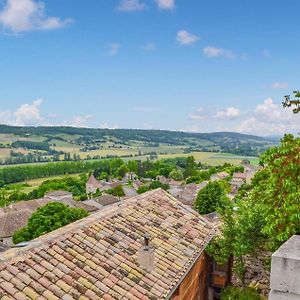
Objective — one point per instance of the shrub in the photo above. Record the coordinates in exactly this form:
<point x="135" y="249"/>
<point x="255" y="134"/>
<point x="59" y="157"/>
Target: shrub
<point x="233" y="293"/>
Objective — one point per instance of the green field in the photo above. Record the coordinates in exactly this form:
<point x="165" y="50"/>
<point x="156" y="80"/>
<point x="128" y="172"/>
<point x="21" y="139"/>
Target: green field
<point x="43" y="144"/>
<point x="215" y="159"/>
<point x="35" y="183"/>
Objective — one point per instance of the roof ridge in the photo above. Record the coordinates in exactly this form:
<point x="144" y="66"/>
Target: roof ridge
<point x="59" y="233"/>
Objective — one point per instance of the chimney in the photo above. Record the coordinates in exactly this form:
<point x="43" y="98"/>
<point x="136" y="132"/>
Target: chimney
<point x="145" y="255"/>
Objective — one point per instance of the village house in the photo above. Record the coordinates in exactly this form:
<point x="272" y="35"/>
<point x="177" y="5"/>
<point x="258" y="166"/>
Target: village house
<point x="102" y="201"/>
<point x="93" y="185"/>
<point x="130" y="176"/>
<point x="151" y="247"/>
<point x="238" y="179"/>
<point x="129" y="191"/>
<point x="15" y="216"/>
<point x="219" y="176"/>
<point x="190" y="191"/>
<point x="171" y="182"/>
<point x="137" y="184"/>
<point x="59" y="195"/>
<point x="250" y="171"/>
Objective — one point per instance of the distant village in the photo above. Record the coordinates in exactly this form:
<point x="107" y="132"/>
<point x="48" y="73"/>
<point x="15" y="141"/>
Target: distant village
<point x="16" y="215"/>
<point x="147" y="246"/>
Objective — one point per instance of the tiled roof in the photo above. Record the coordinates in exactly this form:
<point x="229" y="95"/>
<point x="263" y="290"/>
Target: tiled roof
<point x="239" y="175"/>
<point x="58" y="194"/>
<point x="129" y="191"/>
<point x="3" y="247"/>
<point x="106" y="200"/>
<point x="12" y="221"/>
<point x="96" y="258"/>
<point x="15" y="216"/>
<point x="92" y="180"/>
<point x="222" y="174"/>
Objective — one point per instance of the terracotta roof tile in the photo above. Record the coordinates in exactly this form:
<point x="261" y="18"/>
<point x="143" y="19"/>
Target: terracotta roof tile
<point x="96" y="258"/>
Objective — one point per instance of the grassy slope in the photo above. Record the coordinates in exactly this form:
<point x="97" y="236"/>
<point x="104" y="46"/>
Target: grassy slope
<point x="131" y="142"/>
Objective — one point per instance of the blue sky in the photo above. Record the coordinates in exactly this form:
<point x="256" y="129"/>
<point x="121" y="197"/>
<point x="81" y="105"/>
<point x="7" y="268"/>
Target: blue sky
<point x="165" y="64"/>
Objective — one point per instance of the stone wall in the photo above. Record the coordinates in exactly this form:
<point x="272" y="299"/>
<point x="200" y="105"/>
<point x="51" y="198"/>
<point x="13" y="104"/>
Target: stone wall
<point x="285" y="272"/>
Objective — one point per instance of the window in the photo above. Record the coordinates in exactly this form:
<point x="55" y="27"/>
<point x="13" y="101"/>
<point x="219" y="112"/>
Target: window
<point x="220" y="268"/>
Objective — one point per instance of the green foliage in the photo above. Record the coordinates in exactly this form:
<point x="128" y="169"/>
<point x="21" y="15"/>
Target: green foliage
<point x="117" y="191"/>
<point x="153" y="185"/>
<point x="143" y="189"/>
<point x="176" y="174"/>
<point x="232" y="293"/>
<point x="295" y="102"/>
<point x="278" y="190"/>
<point x="266" y="215"/>
<point x="157" y="184"/>
<point x="211" y="198"/>
<point x="72" y="184"/>
<point x="31" y="145"/>
<point x="241" y="235"/>
<point x="225" y="141"/>
<point x="191" y="166"/>
<point x="23" y="173"/>
<point x="46" y="219"/>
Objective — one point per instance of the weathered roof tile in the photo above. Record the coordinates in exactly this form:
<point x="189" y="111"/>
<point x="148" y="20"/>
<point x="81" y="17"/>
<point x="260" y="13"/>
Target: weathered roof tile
<point x="96" y="258"/>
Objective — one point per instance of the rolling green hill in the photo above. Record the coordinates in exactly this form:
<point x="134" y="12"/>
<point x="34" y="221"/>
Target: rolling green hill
<point x="38" y="144"/>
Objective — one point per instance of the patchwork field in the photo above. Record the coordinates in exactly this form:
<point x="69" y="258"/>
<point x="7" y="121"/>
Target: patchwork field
<point x="19" y="145"/>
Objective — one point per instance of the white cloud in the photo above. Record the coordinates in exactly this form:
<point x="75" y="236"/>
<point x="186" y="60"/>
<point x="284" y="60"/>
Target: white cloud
<point x="210" y="51"/>
<point x="195" y="116"/>
<point x="198" y="114"/>
<point x="165" y="4"/>
<point x="147" y="126"/>
<point x="105" y="125"/>
<point x="81" y="121"/>
<point x="280" y="85"/>
<point x="114" y="49"/>
<point x="192" y="128"/>
<point x="5" y="117"/>
<point x="149" y="47"/>
<point x="29" y="114"/>
<point x="229" y="113"/>
<point x="186" y="38"/>
<point x="27" y="15"/>
<point x="131" y="5"/>
<point x="269" y="118"/>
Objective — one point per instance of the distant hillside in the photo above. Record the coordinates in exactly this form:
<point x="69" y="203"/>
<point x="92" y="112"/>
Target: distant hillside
<point x="57" y="143"/>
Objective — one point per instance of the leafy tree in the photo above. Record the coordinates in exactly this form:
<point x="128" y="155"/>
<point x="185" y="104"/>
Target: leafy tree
<point x="267" y="215"/>
<point x="190" y="167"/>
<point x="210" y="198"/>
<point x="157" y="184"/>
<point x="46" y="219"/>
<point x="296" y="102"/>
<point x="121" y="171"/>
<point x="232" y="293"/>
<point x="278" y="190"/>
<point x="241" y="235"/>
<point x="151" y="174"/>
<point x="143" y="189"/>
<point x="117" y="191"/>
<point x="103" y="176"/>
<point x="176" y="174"/>
<point x="132" y="166"/>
